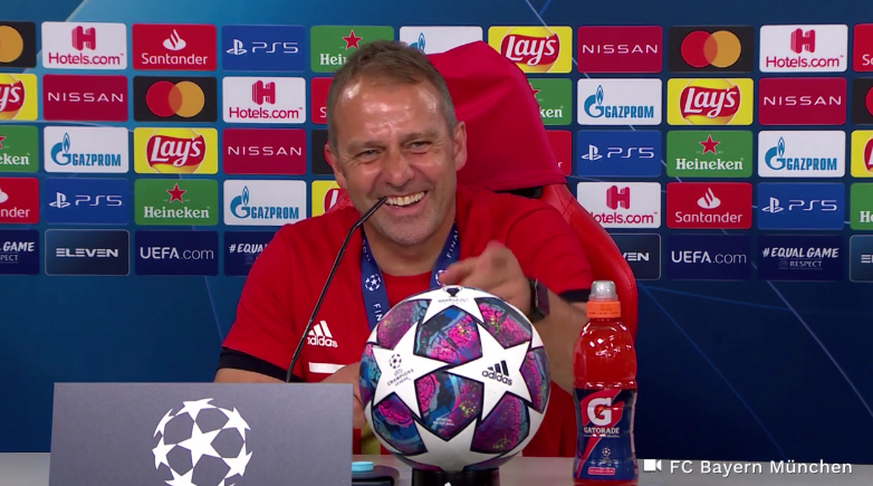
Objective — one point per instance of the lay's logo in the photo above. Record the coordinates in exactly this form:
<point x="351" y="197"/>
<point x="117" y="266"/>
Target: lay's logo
<point x="709" y="101"/>
<point x="535" y="49"/>
<point x="175" y="150"/>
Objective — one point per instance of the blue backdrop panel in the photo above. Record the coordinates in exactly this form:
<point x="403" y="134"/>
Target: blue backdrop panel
<point x="733" y="370"/>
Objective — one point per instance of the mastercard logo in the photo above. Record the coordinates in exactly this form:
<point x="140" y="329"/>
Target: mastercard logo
<point x="184" y="99"/>
<point x="11" y="44"/>
<point x="719" y="49"/>
<point x="174" y="99"/>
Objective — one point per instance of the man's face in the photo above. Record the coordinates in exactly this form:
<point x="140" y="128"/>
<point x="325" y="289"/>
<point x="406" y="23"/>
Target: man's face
<point x="392" y="140"/>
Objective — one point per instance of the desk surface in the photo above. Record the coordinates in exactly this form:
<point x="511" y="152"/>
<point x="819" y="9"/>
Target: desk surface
<point x="32" y="469"/>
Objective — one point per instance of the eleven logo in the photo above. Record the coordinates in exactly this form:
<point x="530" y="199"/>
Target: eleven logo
<point x="92" y="150"/>
<point x="173" y="47"/>
<point x="715" y="101"/>
<point x="705" y="205"/>
<point x="17" y="45"/>
<point x="535" y="49"/>
<point x="804" y="48"/>
<point x="437" y="39"/>
<point x="629" y="205"/>
<point x="325" y="195"/>
<point x="175" y="150"/>
<point x="18" y="98"/>
<point x="264" y="100"/>
<point x="862" y="153"/>
<point x="84" y="45"/>
<point x="802" y="154"/>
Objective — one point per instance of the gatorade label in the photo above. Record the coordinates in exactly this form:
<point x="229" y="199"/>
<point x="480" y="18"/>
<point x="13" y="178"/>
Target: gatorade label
<point x="604" y="448"/>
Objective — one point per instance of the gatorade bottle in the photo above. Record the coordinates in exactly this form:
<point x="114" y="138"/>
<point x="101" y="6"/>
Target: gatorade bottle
<point x="605" y="391"/>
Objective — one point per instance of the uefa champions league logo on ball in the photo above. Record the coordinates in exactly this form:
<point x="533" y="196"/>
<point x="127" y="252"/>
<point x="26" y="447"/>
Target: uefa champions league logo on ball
<point x="201" y="444"/>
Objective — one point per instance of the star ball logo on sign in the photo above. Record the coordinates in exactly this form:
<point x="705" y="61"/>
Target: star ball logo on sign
<point x="325" y="194"/>
<point x="622" y="205"/>
<point x="242" y="248"/>
<point x="19" y="252"/>
<point x="17" y="44"/>
<point x="862" y="153"/>
<point x="619" y="49"/>
<point x="251" y="151"/>
<point x="331" y="46"/>
<point x="804" y="48"/>
<point x="175" y="150"/>
<point x="535" y="49"/>
<point x="802" y="101"/>
<point x="437" y="39"/>
<point x="264" y="100"/>
<point x="800" y="257"/>
<point x="19" y="149"/>
<point x="173" y="47"/>
<point x="93" y="150"/>
<point x="18" y="98"/>
<point x="263" y="48"/>
<point x="19" y="200"/>
<point x="709" y="205"/>
<point x="618" y="153"/>
<point x="87" y="201"/>
<point x="802" y="153"/>
<point x="801" y="206"/>
<point x="87" y="252"/>
<point x="619" y="101"/>
<point x="709" y="153"/>
<point x="176" y="253"/>
<point x="710" y="49"/>
<point x="264" y="203"/>
<point x="84" y="98"/>
<point x="709" y="257"/>
<point x="175" y="99"/>
<point x="862" y="61"/>
<point x="174" y="202"/>
<point x="84" y="45"/>
<point x="711" y="101"/>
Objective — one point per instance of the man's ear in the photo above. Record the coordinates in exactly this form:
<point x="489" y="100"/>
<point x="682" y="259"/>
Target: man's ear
<point x="459" y="139"/>
<point x="333" y="160"/>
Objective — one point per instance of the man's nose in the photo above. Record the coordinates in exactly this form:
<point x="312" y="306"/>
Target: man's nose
<point x="397" y="169"/>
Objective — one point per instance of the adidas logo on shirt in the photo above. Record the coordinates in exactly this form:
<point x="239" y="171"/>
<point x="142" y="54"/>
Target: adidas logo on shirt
<point x="498" y="372"/>
<point x="320" y="335"/>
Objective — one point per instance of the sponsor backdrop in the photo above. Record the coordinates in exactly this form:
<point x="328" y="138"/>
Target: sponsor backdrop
<point x="151" y="149"/>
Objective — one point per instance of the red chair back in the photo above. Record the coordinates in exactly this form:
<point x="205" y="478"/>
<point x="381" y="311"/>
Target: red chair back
<point x="494" y="99"/>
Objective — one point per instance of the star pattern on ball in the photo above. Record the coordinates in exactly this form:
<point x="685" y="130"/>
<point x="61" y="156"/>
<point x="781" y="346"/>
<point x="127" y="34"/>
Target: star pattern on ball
<point x="412" y="367"/>
<point x="467" y="303"/>
<point x="494" y="388"/>
<point x="451" y="455"/>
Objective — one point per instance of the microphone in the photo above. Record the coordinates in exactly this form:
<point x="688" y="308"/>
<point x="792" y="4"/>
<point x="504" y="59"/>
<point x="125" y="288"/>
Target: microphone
<point x="318" y="302"/>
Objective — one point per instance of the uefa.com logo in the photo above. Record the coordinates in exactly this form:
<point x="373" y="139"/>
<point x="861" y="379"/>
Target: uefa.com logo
<point x="84" y="45"/>
<point x="264" y="100"/>
<point x="804" y="48"/>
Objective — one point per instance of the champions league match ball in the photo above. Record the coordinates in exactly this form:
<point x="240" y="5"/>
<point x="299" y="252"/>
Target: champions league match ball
<point x="454" y="380"/>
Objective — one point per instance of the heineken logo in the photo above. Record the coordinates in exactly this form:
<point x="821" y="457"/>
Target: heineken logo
<point x="702" y="153"/>
<point x="176" y="202"/>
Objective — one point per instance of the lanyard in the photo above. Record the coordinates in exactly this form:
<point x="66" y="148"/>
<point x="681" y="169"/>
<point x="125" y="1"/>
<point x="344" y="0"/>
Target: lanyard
<point x="373" y="287"/>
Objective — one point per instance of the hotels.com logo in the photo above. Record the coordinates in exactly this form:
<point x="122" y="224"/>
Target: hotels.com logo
<point x="804" y="48"/>
<point x="802" y="101"/>
<point x="264" y="100"/>
<point x="534" y="49"/>
<point x="705" y="205"/>
<point x="167" y="47"/>
<point x="630" y="205"/>
<point x="100" y="45"/>
<point x="84" y="98"/>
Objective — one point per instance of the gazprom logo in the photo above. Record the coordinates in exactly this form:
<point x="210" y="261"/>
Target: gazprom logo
<point x="61" y="155"/>
<point x="61" y="151"/>
<point x="240" y="208"/>
<point x="775" y="159"/>
<point x="594" y="103"/>
<point x="776" y="155"/>
<point x="420" y="44"/>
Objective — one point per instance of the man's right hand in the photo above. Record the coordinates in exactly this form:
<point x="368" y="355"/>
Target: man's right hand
<point x="349" y="374"/>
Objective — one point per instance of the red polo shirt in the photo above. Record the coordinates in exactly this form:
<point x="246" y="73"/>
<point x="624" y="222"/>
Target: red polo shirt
<point x="284" y="282"/>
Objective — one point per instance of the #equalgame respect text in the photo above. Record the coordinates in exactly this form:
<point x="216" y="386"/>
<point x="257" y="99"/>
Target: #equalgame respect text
<point x="725" y="469"/>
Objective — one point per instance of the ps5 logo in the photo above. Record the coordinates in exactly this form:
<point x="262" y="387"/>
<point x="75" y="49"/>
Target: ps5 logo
<point x="823" y="205"/>
<point x="281" y="47"/>
<point x="86" y="200"/>
<point x="618" y="152"/>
